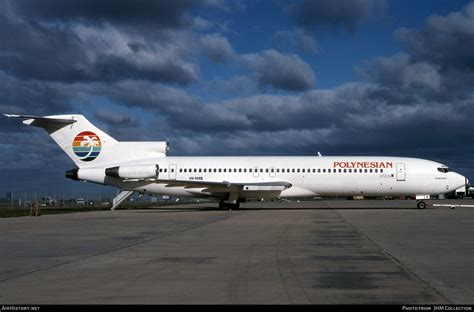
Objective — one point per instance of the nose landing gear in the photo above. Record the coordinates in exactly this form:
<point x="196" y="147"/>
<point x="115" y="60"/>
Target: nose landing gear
<point x="421" y="204"/>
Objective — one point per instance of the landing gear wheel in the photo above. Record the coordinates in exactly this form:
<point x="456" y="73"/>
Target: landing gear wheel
<point x="228" y="206"/>
<point x="234" y="206"/>
<point x="421" y="205"/>
<point x="222" y="205"/>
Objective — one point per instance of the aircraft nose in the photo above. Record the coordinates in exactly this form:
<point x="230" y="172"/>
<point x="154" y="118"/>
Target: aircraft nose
<point x="460" y="181"/>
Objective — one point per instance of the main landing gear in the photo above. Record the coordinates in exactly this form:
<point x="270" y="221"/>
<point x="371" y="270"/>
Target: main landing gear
<point x="421" y="204"/>
<point x="229" y="206"/>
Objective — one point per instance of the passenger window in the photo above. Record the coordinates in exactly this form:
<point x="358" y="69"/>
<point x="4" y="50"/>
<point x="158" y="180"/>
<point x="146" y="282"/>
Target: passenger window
<point x="319" y="170"/>
<point x="298" y="170"/>
<point x="370" y="170"/>
<point x="250" y="170"/>
<point x="266" y="170"/>
<point x="161" y="170"/>
<point x="220" y="170"/>
<point x="340" y="170"/>
<point x="199" y="169"/>
<point x="376" y="170"/>
<point x="350" y="170"/>
<point x="225" y="170"/>
<point x="381" y="170"/>
<point x="240" y="169"/>
<point x="365" y="170"/>
<point x="302" y="170"/>
<point x="293" y="170"/>
<point x="324" y="170"/>
<point x="360" y="170"/>
<point x="329" y="170"/>
<point x="261" y="170"/>
<point x="345" y="170"/>
<point x="245" y="169"/>
<point x="278" y="170"/>
<point x="180" y="170"/>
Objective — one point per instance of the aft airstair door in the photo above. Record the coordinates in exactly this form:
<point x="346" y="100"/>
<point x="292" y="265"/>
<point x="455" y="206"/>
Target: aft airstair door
<point x="400" y="172"/>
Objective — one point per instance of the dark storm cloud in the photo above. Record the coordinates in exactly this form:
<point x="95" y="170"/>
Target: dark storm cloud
<point x="236" y="86"/>
<point x="282" y="71"/>
<point x="447" y="41"/>
<point x="181" y="110"/>
<point x="115" y="118"/>
<point x="78" y="52"/>
<point x="159" y="13"/>
<point x="346" y="14"/>
<point x="217" y="48"/>
<point x="33" y="96"/>
<point x="401" y="80"/>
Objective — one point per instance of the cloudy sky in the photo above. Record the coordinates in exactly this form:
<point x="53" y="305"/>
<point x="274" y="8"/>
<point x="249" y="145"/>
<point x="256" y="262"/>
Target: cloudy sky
<point x="212" y="77"/>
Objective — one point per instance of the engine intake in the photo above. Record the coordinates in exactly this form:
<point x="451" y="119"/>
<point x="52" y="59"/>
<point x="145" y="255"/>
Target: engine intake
<point x="72" y="174"/>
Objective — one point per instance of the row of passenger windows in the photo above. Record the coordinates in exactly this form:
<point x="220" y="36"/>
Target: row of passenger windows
<point x="273" y="170"/>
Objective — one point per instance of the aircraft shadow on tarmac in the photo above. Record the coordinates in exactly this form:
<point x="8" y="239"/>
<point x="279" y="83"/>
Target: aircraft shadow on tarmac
<point x="215" y="208"/>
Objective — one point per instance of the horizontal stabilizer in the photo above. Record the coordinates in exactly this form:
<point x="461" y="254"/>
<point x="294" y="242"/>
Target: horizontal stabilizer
<point x="42" y="121"/>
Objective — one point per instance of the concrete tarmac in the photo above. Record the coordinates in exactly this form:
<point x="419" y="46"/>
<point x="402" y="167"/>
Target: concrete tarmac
<point x="309" y="252"/>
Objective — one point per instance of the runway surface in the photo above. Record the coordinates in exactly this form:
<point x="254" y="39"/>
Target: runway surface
<point x="308" y="252"/>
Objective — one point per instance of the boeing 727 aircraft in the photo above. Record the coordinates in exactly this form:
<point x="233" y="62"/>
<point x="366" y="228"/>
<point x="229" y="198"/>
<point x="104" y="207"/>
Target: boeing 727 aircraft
<point x="144" y="167"/>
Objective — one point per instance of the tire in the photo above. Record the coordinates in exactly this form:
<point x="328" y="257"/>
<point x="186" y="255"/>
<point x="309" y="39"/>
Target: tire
<point x="421" y="205"/>
<point x="235" y="206"/>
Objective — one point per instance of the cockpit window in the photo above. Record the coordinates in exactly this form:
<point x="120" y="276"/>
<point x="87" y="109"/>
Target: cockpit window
<point x="444" y="169"/>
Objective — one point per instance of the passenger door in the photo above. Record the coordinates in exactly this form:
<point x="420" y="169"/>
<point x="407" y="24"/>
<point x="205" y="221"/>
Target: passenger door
<point x="400" y="172"/>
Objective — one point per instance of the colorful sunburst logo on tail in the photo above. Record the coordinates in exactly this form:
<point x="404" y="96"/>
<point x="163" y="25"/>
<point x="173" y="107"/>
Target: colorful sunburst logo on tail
<point x="87" y="146"/>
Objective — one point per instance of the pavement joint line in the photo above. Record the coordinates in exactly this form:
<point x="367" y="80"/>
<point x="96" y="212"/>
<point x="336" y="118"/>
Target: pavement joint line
<point x="395" y="259"/>
<point x="226" y="217"/>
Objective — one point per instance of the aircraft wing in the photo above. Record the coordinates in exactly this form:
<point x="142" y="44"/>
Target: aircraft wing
<point x="229" y="186"/>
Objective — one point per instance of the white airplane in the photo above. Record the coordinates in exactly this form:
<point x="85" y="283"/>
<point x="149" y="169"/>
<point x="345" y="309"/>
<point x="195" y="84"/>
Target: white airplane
<point x="144" y="167"/>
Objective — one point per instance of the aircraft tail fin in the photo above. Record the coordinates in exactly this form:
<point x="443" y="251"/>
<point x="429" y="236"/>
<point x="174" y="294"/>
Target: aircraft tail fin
<point x="88" y="146"/>
<point x="84" y="143"/>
